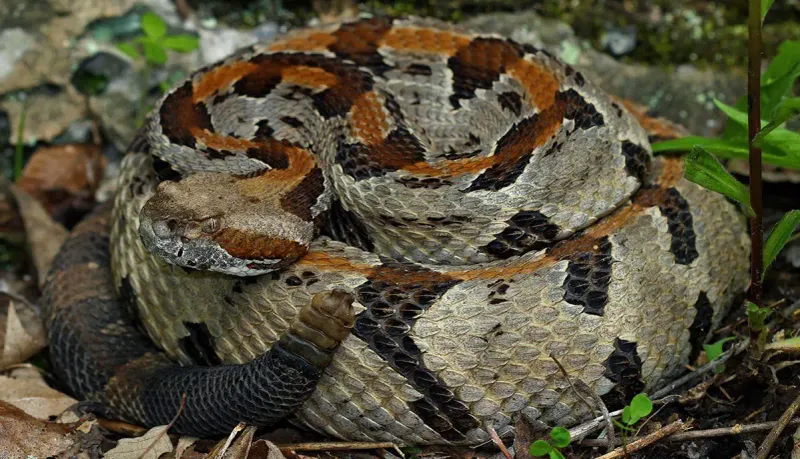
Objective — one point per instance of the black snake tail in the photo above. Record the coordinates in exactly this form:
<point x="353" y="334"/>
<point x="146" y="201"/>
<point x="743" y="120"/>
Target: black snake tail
<point x="100" y="354"/>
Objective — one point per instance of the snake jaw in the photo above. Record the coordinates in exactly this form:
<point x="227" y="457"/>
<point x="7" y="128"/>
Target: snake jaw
<point x="178" y="248"/>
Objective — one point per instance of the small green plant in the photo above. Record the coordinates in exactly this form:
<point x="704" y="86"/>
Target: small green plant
<point x="153" y="45"/>
<point x="714" y="350"/>
<point x="748" y="135"/>
<point x="780" y="146"/>
<point x="559" y="438"/>
<point x="640" y="406"/>
<point x="155" y="42"/>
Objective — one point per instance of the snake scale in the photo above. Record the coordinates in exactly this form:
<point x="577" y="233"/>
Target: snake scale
<point x="383" y="229"/>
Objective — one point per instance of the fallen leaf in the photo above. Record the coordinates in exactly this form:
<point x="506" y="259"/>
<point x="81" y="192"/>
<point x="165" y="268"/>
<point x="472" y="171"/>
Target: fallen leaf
<point x="263" y="449"/>
<point x="64" y="178"/>
<point x="184" y="443"/>
<point x="524" y="436"/>
<point x="32" y="395"/>
<point x="11" y="226"/>
<point x="149" y="446"/>
<point x="22" y="334"/>
<point x="25" y="436"/>
<point x="240" y="448"/>
<point x="44" y="235"/>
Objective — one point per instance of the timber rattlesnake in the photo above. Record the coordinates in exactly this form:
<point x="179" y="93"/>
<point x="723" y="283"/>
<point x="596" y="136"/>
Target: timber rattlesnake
<point x="490" y="208"/>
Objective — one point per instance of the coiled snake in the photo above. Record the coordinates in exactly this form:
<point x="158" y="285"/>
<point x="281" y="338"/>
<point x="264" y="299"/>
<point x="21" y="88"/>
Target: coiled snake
<point x="480" y="204"/>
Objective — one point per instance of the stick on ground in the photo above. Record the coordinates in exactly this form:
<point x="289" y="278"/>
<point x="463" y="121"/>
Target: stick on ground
<point x="772" y="437"/>
<point x="645" y="441"/>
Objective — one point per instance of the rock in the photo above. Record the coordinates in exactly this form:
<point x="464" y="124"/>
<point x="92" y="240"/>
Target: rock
<point x="215" y="44"/>
<point x="619" y="41"/>
<point x="94" y="73"/>
<point x="48" y="111"/>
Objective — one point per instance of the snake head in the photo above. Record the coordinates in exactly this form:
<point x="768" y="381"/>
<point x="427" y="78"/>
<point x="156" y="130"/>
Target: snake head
<point x="206" y="221"/>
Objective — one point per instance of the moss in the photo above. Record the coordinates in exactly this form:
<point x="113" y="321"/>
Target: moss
<point x="705" y="33"/>
<point x="672" y="32"/>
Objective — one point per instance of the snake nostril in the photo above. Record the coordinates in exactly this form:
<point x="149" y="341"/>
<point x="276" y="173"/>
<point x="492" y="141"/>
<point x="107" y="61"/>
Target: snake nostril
<point x="164" y="228"/>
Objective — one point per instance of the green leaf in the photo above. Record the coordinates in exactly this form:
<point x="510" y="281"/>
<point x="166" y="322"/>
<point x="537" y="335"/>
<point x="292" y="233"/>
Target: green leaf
<point x="714" y="350"/>
<point x="641" y="406"/>
<point x="129" y="49"/>
<point x="703" y="169"/>
<point x="757" y="316"/>
<point x="556" y="454"/>
<point x="735" y="148"/>
<point x="788" y="108"/>
<point x="782" y="140"/>
<point x="540" y="448"/>
<point x="787" y="58"/>
<point x="153" y="25"/>
<point x="717" y="146"/>
<point x="154" y="53"/>
<point x="773" y="93"/>
<point x="780" y="235"/>
<point x="765" y="6"/>
<point x="560" y="437"/>
<point x="778" y="80"/>
<point x="738" y="116"/>
<point x="626" y="415"/>
<point x="183" y="43"/>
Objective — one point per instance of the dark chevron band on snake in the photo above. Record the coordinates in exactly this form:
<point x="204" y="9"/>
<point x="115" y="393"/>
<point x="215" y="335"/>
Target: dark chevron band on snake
<point x="481" y="204"/>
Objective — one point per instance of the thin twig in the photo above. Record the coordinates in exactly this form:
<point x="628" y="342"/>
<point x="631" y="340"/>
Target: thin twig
<point x="121" y="427"/>
<point x="666" y="390"/>
<point x="738" y="429"/>
<point x="335" y="446"/>
<point x="221" y="452"/>
<point x="772" y="437"/>
<point x="645" y="441"/>
<point x="597" y="400"/>
<point x="582" y="430"/>
<point x="639" y="430"/>
<point x="569" y="381"/>
<point x="498" y="442"/>
<point x="603" y="408"/>
<point x="169" y="426"/>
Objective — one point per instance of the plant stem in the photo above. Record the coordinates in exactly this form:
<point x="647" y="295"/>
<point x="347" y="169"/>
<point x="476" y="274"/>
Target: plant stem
<point x="18" y="150"/>
<point x="753" y="126"/>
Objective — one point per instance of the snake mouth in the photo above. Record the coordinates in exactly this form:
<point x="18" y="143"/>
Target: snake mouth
<point x="168" y="242"/>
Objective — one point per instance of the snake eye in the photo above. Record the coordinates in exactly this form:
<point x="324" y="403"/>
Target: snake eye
<point x="210" y="225"/>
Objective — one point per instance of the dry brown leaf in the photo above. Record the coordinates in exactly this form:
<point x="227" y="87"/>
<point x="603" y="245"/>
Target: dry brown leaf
<point x="149" y="446"/>
<point x="524" y="437"/>
<point x="240" y="448"/>
<point x="184" y="443"/>
<point x="24" y="436"/>
<point x="44" y="235"/>
<point x="27" y="391"/>
<point x="22" y="334"/>
<point x="11" y="226"/>
<point x="64" y="179"/>
<point x="263" y="449"/>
